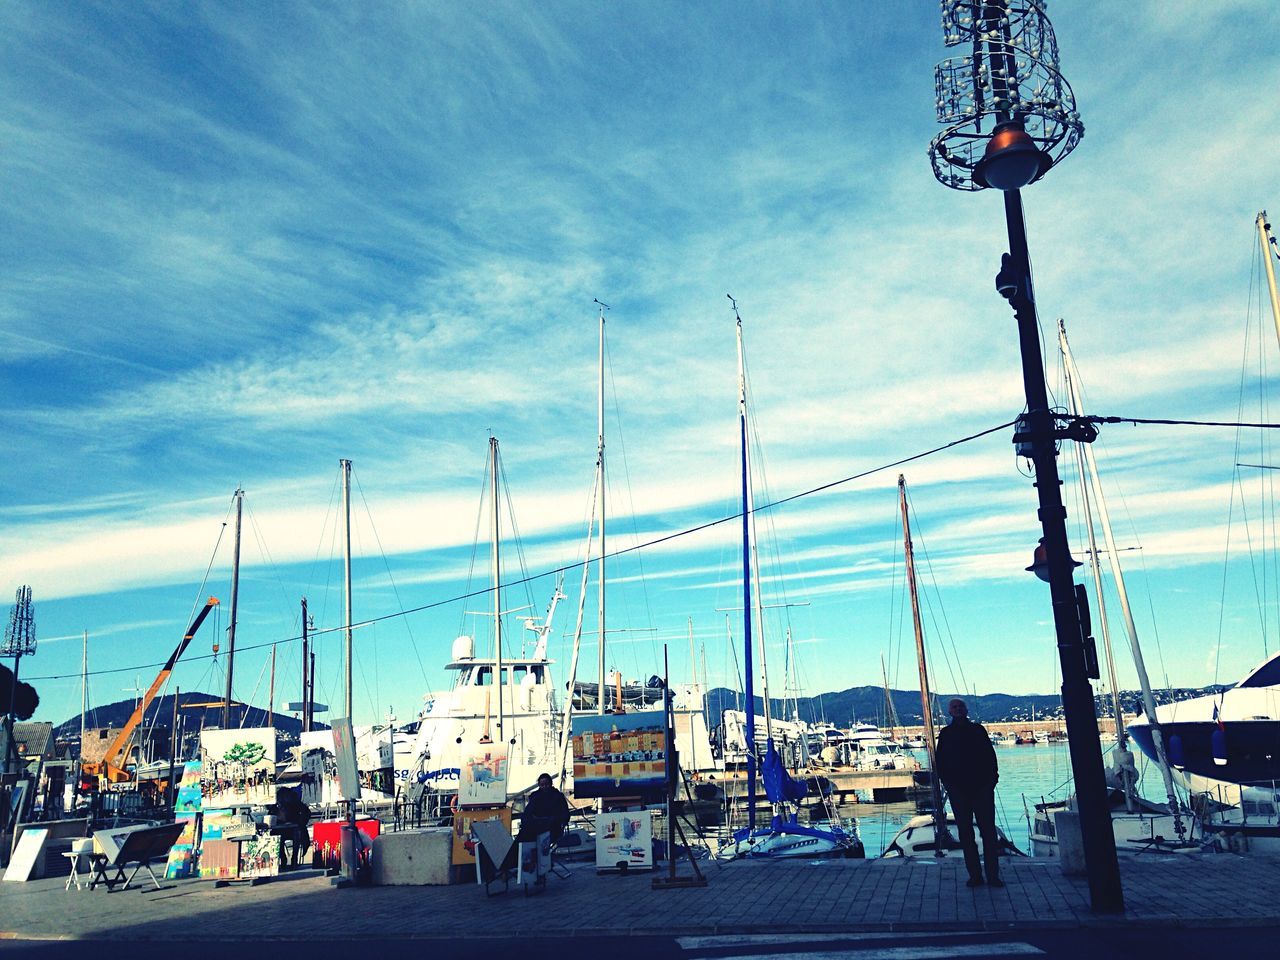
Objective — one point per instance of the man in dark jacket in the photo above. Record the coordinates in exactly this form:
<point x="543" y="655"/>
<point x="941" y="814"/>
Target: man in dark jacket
<point x="967" y="767"/>
<point x="546" y="810"/>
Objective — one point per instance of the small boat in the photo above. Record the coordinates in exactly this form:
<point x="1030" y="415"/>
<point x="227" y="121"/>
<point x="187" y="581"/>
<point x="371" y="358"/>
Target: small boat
<point x="916" y="839"/>
<point x="1139" y="825"/>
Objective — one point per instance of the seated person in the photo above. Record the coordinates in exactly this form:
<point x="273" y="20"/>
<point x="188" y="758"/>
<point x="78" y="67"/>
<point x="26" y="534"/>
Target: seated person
<point x="546" y="811"/>
<point x="294" y="815"/>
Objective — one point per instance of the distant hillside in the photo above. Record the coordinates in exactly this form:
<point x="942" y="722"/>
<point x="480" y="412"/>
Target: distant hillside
<point x="868" y="704"/>
<point x="190" y="707"/>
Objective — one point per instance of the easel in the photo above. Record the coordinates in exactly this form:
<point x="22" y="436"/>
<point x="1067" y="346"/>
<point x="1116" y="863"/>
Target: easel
<point x="673" y="826"/>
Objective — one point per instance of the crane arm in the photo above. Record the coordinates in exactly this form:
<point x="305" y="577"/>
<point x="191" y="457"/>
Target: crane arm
<point x="107" y="764"/>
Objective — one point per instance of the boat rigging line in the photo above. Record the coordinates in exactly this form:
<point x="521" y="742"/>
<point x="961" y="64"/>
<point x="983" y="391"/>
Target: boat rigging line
<point x="675" y="535"/>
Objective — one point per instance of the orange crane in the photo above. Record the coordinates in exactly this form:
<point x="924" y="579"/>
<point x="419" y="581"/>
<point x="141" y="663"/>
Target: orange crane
<point x="107" y="766"/>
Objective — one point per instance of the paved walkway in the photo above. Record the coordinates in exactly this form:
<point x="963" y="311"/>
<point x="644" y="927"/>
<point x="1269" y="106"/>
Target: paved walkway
<point x="741" y="897"/>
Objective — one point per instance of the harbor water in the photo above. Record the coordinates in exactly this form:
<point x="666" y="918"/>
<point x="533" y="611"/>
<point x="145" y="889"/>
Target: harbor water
<point x="1028" y="775"/>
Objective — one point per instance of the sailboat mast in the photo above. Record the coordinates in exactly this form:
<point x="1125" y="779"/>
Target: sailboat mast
<point x="939" y="815"/>
<point x="566" y="729"/>
<point x="748" y="672"/>
<point x="1265" y="239"/>
<point x="1117" y="575"/>
<point x="345" y="465"/>
<point x="601" y="503"/>
<point x="891" y="715"/>
<point x="84" y="687"/>
<point x="306" y="697"/>
<point x="1095" y="557"/>
<point x="235" y="597"/>
<point x="497" y="582"/>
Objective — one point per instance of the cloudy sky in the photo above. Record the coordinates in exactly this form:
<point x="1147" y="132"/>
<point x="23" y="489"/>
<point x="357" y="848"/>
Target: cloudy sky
<point x="242" y="242"/>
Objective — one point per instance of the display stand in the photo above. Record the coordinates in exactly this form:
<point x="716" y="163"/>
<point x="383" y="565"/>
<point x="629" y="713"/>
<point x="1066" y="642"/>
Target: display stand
<point x="673" y="827"/>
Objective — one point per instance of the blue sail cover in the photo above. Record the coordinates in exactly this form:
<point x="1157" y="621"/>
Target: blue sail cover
<point x="779" y="786"/>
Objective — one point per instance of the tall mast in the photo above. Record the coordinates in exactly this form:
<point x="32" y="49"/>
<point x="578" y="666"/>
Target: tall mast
<point x="1095" y="557"/>
<point x="306" y="693"/>
<point x="84" y="688"/>
<point x="939" y="815"/>
<point x="1117" y="575"/>
<point x="891" y="715"/>
<point x="345" y="466"/>
<point x="1265" y="239"/>
<point x="577" y="639"/>
<point x="235" y="596"/>
<point x="748" y="677"/>
<point x="601" y="504"/>
<point x="271" y="691"/>
<point x="497" y="581"/>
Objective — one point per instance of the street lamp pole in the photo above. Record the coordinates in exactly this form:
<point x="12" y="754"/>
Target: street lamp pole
<point x="1010" y="84"/>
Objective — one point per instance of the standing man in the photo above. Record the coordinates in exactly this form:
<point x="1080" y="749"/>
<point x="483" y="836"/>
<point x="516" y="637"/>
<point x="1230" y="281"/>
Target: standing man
<point x="967" y="766"/>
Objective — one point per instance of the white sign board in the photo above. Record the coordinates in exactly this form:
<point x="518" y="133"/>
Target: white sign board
<point x="26" y="855"/>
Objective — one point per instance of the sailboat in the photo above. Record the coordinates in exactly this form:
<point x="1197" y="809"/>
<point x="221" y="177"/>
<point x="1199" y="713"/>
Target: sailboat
<point x="1137" y="823"/>
<point x="784" y="835"/>
<point x="932" y="834"/>
<point x="1225" y="747"/>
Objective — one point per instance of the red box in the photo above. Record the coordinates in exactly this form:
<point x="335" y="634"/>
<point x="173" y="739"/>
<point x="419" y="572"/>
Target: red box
<point x="326" y="839"/>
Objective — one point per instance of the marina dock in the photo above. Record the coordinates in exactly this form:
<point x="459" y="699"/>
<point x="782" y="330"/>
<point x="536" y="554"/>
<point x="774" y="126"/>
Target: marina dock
<point x="745" y="897"/>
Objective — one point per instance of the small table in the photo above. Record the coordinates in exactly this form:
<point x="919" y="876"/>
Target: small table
<point x="74" y="877"/>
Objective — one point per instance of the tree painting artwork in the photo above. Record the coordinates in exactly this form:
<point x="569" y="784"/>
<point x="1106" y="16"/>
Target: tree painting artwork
<point x="237" y="766"/>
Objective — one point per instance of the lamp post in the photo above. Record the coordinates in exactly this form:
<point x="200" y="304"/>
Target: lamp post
<point x="1010" y="117"/>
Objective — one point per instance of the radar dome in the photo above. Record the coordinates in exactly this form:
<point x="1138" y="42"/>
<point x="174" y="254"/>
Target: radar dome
<point x="464" y="648"/>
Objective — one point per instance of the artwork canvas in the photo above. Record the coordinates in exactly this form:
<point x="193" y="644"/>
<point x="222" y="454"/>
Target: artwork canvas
<point x="238" y="766"/>
<point x="186" y="810"/>
<point x="624" y="838"/>
<point x="344" y="755"/>
<point x="462" y="820"/>
<point x="260" y="856"/>
<point x="619" y="755"/>
<point x="219" y="860"/>
<point x="484" y="777"/>
<point x="319" y="774"/>
<point x="26" y="855"/>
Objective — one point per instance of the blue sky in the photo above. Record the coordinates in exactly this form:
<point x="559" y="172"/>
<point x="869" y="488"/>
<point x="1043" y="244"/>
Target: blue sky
<point x="241" y="242"/>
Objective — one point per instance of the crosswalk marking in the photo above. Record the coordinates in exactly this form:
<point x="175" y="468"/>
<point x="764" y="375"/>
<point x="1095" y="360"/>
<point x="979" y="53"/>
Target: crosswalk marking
<point x="880" y="948"/>
<point x="709" y="941"/>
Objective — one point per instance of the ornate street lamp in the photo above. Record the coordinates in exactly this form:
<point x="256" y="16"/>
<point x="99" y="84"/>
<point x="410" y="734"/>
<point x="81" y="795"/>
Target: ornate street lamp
<point x="1010" y="117"/>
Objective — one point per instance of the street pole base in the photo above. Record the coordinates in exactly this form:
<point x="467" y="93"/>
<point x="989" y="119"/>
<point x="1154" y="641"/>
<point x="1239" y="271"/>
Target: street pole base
<point x="666" y="883"/>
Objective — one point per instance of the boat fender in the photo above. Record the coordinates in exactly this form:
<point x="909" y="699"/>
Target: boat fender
<point x="1218" y="742"/>
<point x="1175" y="751"/>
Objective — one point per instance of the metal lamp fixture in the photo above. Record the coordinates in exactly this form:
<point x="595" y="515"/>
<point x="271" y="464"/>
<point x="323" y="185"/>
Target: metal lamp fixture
<point x="1010" y="114"/>
<point x="1010" y="117"/>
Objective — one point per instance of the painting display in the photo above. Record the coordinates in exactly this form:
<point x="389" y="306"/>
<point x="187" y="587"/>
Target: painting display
<point x="326" y="840"/>
<point x="186" y="810"/>
<point x="375" y="770"/>
<point x="463" y="852"/>
<point x="237" y="766"/>
<point x="619" y="755"/>
<point x="483" y="782"/>
<point x="344" y="755"/>
<point x="219" y="860"/>
<point x="624" y="841"/>
<point x="260" y="856"/>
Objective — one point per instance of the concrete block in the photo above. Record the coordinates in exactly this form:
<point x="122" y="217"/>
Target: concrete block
<point x="413" y="857"/>
<point x="1066" y="824"/>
